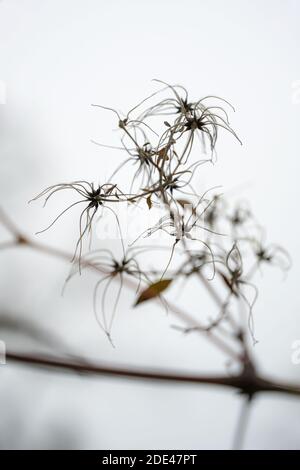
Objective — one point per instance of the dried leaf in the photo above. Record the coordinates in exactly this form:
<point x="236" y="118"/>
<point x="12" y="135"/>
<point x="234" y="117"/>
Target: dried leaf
<point x="153" y="290"/>
<point x="149" y="202"/>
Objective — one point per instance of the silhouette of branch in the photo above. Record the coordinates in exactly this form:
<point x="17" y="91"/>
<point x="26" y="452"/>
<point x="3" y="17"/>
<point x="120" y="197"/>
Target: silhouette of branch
<point x="248" y="384"/>
<point x="24" y="241"/>
<point x="242" y="424"/>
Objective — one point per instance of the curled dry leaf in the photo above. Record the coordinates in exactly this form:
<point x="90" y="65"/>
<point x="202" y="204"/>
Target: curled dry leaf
<point x="149" y="202"/>
<point x="153" y="290"/>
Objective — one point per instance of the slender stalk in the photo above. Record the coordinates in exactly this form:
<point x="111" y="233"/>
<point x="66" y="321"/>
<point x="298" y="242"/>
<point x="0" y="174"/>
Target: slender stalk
<point x="240" y="432"/>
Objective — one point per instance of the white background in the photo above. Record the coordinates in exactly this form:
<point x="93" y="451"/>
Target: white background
<point x="58" y="57"/>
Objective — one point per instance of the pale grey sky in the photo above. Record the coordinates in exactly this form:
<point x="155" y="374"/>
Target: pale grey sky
<point x="56" y="58"/>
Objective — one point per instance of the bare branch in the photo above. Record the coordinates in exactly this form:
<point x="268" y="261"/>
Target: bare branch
<point x="244" y="383"/>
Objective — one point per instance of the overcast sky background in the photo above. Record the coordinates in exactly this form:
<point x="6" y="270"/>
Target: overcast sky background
<point x="56" y="58"/>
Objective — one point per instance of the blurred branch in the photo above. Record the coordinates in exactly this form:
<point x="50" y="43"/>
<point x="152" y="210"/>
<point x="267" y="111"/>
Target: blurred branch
<point x="28" y="329"/>
<point x="247" y="383"/>
<point x="242" y="424"/>
<point x="22" y="240"/>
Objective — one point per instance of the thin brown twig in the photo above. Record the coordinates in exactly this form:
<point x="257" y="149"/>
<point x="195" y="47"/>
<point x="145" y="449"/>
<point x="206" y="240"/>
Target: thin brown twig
<point x="248" y="381"/>
<point x="240" y="432"/>
<point x="248" y="385"/>
<point x="21" y="240"/>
